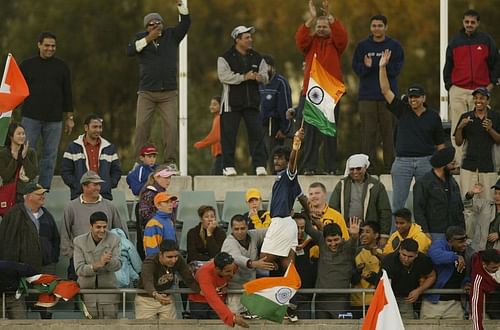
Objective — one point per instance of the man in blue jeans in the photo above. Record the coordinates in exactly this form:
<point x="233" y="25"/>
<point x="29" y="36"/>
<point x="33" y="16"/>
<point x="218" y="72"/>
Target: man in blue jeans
<point x="48" y="79"/>
<point x="419" y="133"/>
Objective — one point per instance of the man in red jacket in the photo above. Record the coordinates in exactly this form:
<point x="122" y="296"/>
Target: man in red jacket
<point x="484" y="280"/>
<point x="213" y="278"/>
<point x="327" y="43"/>
<point x="470" y="63"/>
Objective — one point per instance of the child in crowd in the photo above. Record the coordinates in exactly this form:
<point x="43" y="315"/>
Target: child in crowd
<point x="138" y="176"/>
<point x="161" y="226"/>
<point x="405" y="228"/>
<point x="213" y="138"/>
<point x="256" y="217"/>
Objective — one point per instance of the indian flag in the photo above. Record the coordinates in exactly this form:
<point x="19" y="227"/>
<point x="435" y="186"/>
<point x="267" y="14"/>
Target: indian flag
<point x="268" y="297"/>
<point x="323" y="93"/>
<point x="13" y="91"/>
<point x="383" y="312"/>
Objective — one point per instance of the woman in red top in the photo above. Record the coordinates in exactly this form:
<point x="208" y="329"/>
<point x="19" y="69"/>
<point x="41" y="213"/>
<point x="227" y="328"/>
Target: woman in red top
<point x="213" y="138"/>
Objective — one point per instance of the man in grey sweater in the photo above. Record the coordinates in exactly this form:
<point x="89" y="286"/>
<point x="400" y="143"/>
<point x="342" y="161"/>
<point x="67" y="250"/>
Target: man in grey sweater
<point x="244" y="246"/>
<point x="77" y="213"/>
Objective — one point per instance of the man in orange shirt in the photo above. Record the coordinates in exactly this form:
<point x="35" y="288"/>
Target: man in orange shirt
<point x="213" y="138"/>
<point x="327" y="43"/>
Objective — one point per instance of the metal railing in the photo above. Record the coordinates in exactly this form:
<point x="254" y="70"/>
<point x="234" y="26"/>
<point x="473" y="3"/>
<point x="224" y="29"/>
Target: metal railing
<point x="124" y="292"/>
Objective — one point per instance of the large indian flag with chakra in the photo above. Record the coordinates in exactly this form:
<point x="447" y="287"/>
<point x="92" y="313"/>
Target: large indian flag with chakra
<point x="323" y="94"/>
<point x="268" y="297"/>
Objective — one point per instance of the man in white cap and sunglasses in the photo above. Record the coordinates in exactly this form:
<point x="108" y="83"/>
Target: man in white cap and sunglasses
<point x="156" y="49"/>
<point x="240" y="71"/>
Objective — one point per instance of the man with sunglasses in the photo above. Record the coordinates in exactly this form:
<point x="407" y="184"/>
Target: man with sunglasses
<point x="156" y="49"/>
<point x="470" y="63"/>
<point x="360" y="195"/>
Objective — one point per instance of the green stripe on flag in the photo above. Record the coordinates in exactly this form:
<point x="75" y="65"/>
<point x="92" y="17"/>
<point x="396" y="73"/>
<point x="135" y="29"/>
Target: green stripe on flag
<point x="4" y="126"/>
<point x="315" y="117"/>
<point x="265" y="308"/>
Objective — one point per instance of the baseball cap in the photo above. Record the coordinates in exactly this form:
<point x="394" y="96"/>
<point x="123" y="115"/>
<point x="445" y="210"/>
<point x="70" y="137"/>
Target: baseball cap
<point x="416" y="90"/>
<point x="482" y="90"/>
<point x="253" y="193"/>
<point x="241" y="29"/>
<point x="163" y="197"/>
<point x="497" y="185"/>
<point x="33" y="187"/>
<point x="91" y="177"/>
<point x="148" y="150"/>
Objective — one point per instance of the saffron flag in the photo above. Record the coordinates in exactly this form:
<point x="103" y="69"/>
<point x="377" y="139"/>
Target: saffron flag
<point x="13" y="91"/>
<point x="268" y="297"/>
<point x="383" y="312"/>
<point x="323" y="94"/>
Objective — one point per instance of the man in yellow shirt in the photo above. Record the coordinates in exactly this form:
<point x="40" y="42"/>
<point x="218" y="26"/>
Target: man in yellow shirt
<point x="406" y="229"/>
<point x="321" y="213"/>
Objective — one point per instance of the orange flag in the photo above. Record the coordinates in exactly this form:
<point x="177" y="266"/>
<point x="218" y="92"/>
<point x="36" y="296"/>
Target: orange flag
<point x="13" y="89"/>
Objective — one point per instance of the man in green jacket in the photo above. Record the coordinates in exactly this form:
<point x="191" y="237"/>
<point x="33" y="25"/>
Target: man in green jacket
<point x="360" y="195"/>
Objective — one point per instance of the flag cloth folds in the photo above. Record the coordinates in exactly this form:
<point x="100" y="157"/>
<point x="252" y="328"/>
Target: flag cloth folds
<point x="13" y="91"/>
<point x="323" y="94"/>
<point x="268" y="297"/>
<point x="383" y="312"/>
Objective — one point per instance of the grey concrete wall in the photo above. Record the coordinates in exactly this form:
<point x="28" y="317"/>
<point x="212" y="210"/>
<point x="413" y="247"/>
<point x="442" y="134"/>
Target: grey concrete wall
<point x="217" y="325"/>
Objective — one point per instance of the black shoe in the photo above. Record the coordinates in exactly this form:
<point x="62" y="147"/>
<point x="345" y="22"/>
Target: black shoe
<point x="186" y="315"/>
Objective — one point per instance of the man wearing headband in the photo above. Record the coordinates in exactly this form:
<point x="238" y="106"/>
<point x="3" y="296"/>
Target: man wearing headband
<point x="359" y="195"/>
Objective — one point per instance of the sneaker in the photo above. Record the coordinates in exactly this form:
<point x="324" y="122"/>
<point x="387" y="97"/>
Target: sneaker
<point x="309" y="172"/>
<point x="248" y="316"/>
<point x="291" y="315"/>
<point x="229" y="171"/>
<point x="261" y="171"/>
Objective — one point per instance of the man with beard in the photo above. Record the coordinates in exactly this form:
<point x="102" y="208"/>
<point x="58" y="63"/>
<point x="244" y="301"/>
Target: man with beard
<point x="436" y="196"/>
<point x="419" y="133"/>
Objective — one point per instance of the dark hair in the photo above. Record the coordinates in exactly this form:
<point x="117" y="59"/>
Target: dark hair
<point x="318" y="185"/>
<point x="473" y="13"/>
<point x="10" y="133"/>
<point x="454" y="231"/>
<point x="92" y="116"/>
<point x="409" y="244"/>
<point x="168" y="245"/>
<point x="217" y="98"/>
<point x="222" y="259"/>
<point x="332" y="229"/>
<point x="205" y="208"/>
<point x="237" y="218"/>
<point x="98" y="216"/>
<point x="282" y="151"/>
<point x="46" y="35"/>
<point x="379" y="17"/>
<point x="269" y="59"/>
<point x="373" y="225"/>
<point x="490" y="255"/>
<point x="298" y="215"/>
<point x="403" y="213"/>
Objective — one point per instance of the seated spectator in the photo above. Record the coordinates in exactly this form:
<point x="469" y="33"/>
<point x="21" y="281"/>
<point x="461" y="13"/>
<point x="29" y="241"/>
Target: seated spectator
<point x="406" y="229"/>
<point x="243" y="245"/>
<point x="321" y="213"/>
<point x="18" y="161"/>
<point x="158" y="181"/>
<point x="484" y="221"/>
<point x="128" y="274"/>
<point x="205" y="240"/>
<point x="161" y="226"/>
<point x="213" y="138"/>
<point x="11" y="273"/>
<point x="138" y="176"/>
<point x="452" y="261"/>
<point x="367" y="270"/>
<point x="97" y="258"/>
<point x="256" y="217"/>
<point x="213" y="279"/>
<point x="336" y="258"/>
<point x="159" y="274"/>
<point x="485" y="279"/>
<point x="307" y="266"/>
<point x="411" y="273"/>
<point x="360" y="195"/>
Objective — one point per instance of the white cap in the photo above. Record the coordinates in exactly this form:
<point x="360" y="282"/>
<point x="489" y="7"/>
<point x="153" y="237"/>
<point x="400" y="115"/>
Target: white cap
<point x="241" y="29"/>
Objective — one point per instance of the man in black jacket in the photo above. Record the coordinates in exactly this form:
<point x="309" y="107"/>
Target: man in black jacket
<point x="156" y="49"/>
<point x="240" y="71"/>
<point x="437" y="201"/>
